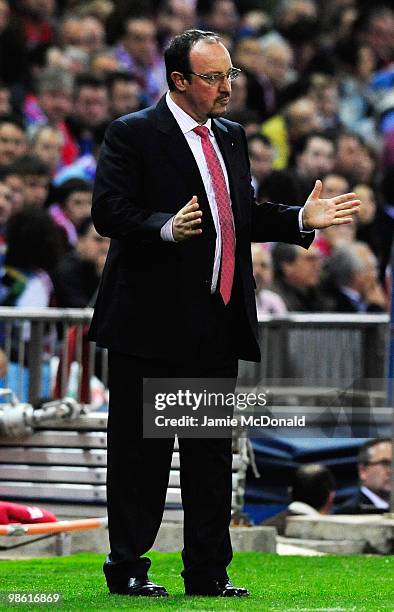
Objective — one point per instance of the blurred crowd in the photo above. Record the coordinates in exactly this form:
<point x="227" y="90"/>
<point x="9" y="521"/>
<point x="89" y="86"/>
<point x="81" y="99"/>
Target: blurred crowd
<point x="315" y="97"/>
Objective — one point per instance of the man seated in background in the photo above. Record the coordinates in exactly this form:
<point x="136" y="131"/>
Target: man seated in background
<point x="352" y="281"/>
<point x="74" y="203"/>
<point x="267" y="301"/>
<point x="312" y="494"/>
<point x="374" y="472"/>
<point x="13" y="142"/>
<point x="78" y="274"/>
<point x="36" y="177"/>
<point x="297" y="278"/>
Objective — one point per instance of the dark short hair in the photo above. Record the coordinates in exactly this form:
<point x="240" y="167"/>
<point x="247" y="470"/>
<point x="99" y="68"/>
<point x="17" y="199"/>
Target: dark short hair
<point x="177" y="54"/>
<point x="13" y="120"/>
<point x="120" y="76"/>
<point x="364" y="454"/>
<point x="71" y="186"/>
<point x="283" y="253"/>
<point x="260" y="138"/>
<point x="87" y="80"/>
<point x="32" y="240"/>
<point x="312" y="485"/>
<point x="302" y="143"/>
<point x="29" y="165"/>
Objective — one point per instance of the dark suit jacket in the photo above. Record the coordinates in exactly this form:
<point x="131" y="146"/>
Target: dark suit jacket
<point x="154" y="294"/>
<point x="358" y="504"/>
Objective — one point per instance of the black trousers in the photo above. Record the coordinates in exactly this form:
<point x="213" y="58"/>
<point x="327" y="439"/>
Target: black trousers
<point x="138" y="468"/>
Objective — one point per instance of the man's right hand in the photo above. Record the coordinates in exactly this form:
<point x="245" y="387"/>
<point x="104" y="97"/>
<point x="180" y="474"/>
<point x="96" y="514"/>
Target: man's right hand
<point x="187" y="222"/>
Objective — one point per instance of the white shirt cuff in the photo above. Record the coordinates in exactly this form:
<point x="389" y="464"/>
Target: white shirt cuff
<point x="166" y="231"/>
<point x="301" y="225"/>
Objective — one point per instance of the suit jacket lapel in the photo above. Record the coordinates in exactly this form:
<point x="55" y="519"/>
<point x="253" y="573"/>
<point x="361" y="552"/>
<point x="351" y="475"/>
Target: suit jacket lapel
<point x="175" y="146"/>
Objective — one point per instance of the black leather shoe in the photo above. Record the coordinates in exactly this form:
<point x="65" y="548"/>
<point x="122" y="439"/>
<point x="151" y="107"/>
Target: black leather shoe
<point x="141" y="587"/>
<point x="215" y="588"/>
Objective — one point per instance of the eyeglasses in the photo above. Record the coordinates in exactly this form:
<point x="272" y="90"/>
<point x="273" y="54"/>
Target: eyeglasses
<point x="217" y="77"/>
<point x="386" y="463"/>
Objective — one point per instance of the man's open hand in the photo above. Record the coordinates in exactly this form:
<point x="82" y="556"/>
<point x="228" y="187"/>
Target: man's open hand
<point x="319" y="213"/>
<point x="187" y="222"/>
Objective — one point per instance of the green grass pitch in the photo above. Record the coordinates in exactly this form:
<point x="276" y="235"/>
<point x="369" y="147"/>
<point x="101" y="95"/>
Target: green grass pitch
<point x="325" y="584"/>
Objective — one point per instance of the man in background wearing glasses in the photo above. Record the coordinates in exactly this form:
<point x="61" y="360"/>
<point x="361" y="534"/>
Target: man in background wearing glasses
<point x="374" y="471"/>
<point x="173" y="192"/>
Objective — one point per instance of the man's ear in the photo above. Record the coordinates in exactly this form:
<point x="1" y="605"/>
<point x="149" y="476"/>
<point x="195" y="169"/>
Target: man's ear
<point x="179" y="80"/>
<point x="361" y="472"/>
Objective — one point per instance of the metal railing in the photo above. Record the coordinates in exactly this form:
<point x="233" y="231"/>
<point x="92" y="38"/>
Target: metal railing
<point x="43" y="345"/>
<point x="315" y="349"/>
<point x="321" y="349"/>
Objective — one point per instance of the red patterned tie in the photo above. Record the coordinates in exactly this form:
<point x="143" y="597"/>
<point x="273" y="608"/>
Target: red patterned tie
<point x="224" y="211"/>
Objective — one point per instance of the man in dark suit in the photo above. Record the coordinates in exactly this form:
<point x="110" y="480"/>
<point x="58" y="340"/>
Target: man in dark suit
<point x="177" y="300"/>
<point x="374" y="471"/>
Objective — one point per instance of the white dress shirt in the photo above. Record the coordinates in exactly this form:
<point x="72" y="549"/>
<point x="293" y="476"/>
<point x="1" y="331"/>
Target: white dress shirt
<point x="377" y="501"/>
<point x="187" y="125"/>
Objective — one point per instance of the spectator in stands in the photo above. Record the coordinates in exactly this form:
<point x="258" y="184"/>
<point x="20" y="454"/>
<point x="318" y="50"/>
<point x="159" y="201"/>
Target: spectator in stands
<point x="314" y="156"/>
<point x="366" y="230"/>
<point x="5" y="206"/>
<point x="91" y="110"/>
<point x="36" y="17"/>
<point x="174" y="17"/>
<point x="138" y="54"/>
<point x="5" y="214"/>
<point x="352" y="279"/>
<point x="47" y="144"/>
<point x="5" y="99"/>
<point x="325" y="91"/>
<point x="73" y="206"/>
<point x="12" y="140"/>
<point x="91" y="34"/>
<point x="125" y="94"/>
<point x="14" y="67"/>
<point x="349" y="152"/>
<point x="261" y="156"/>
<point x="33" y="251"/>
<point x="359" y="62"/>
<point x="312" y="494"/>
<point x="275" y="70"/>
<point x="376" y="29"/>
<point x="267" y="301"/>
<point x="218" y="16"/>
<point x="297" y="278"/>
<point x="15" y="182"/>
<point x="85" y="166"/>
<point x="297" y="120"/>
<point x="52" y="106"/>
<point x="374" y="472"/>
<point x="103" y="63"/>
<point x="36" y="178"/>
<point x="77" y="276"/>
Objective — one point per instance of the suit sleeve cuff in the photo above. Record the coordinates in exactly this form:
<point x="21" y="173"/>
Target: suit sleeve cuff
<point x="301" y="225"/>
<point x="166" y="231"/>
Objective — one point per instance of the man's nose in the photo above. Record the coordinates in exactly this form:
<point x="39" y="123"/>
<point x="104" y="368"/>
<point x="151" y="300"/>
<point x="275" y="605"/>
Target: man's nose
<point x="225" y="85"/>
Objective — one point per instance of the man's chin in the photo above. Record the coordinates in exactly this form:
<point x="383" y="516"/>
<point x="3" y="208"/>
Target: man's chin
<point x="218" y="112"/>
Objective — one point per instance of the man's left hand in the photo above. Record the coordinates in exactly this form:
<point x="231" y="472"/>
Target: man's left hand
<point x="319" y="213"/>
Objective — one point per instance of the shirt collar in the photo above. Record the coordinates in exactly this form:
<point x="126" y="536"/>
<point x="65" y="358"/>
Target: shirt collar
<point x="377" y="501"/>
<point x="185" y="121"/>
